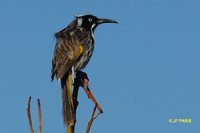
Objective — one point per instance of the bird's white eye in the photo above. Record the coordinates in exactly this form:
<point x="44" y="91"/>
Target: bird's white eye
<point x="90" y="19"/>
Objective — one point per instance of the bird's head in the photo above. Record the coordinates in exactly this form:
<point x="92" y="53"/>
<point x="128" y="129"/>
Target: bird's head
<point x="90" y="22"/>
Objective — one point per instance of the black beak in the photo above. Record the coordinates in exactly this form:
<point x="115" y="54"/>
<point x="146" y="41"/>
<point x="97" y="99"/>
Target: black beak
<point x="104" y="20"/>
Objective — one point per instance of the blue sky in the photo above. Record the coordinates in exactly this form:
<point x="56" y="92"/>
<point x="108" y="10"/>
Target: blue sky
<point x="144" y="71"/>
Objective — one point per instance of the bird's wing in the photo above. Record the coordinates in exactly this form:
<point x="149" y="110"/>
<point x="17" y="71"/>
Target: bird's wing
<point x="67" y="51"/>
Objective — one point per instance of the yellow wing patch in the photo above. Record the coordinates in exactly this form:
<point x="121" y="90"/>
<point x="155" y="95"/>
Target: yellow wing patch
<point x="81" y="50"/>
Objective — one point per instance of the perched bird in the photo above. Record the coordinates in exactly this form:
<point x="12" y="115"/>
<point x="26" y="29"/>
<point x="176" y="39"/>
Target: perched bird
<point x="73" y="50"/>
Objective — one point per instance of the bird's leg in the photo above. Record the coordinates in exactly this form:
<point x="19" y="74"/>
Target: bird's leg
<point x="81" y="76"/>
<point x="84" y="82"/>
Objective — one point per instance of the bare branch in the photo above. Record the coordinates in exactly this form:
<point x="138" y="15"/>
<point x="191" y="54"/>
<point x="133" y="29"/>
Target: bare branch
<point x="80" y="80"/>
<point x="90" y="95"/>
<point x="92" y="119"/>
<point x="40" y="115"/>
<point x="29" y="115"/>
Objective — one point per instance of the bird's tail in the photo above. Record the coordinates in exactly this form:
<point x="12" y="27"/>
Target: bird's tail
<point x="67" y="101"/>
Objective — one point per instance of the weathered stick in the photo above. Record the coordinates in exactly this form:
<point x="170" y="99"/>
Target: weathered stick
<point x="29" y="115"/>
<point x="40" y="116"/>
<point x="91" y="120"/>
<point x="80" y="80"/>
<point x="90" y="96"/>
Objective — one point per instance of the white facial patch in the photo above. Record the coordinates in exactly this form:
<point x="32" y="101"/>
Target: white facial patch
<point x="93" y="25"/>
<point x="80" y="21"/>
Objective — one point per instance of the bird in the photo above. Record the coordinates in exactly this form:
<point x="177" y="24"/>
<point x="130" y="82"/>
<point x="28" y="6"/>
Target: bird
<point x="73" y="50"/>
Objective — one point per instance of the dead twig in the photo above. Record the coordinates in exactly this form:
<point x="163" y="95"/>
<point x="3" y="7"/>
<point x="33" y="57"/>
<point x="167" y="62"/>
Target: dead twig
<point x="92" y="119"/>
<point x="29" y="115"/>
<point x="40" y="116"/>
<point x="90" y="95"/>
<point x="80" y="80"/>
<point x="97" y="106"/>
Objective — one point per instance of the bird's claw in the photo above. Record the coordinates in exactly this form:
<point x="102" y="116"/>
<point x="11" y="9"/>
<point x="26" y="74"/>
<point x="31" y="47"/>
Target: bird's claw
<point x="83" y="78"/>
